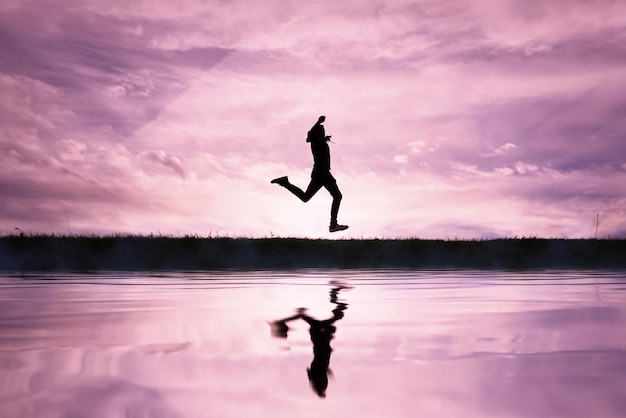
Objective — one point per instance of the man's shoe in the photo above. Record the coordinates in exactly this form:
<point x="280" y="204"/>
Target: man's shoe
<point x="280" y="180"/>
<point x="337" y="227"/>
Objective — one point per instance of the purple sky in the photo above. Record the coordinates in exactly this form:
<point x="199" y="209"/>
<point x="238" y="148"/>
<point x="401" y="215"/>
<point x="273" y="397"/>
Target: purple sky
<point x="450" y="119"/>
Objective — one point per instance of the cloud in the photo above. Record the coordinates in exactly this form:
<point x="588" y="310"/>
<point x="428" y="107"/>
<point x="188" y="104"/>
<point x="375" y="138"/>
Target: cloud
<point x="523" y="168"/>
<point x="160" y="158"/>
<point x="112" y="108"/>
<point x="103" y="71"/>
<point x="401" y="159"/>
<point x="500" y="150"/>
<point x="71" y="150"/>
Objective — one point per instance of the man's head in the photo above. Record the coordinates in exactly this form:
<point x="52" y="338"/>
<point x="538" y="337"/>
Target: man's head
<point x="321" y="119"/>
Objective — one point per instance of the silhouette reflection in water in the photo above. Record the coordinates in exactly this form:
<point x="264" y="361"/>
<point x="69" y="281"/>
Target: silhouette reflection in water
<point x="321" y="331"/>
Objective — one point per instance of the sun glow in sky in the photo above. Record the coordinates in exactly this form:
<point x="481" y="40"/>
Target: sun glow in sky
<point x="450" y="118"/>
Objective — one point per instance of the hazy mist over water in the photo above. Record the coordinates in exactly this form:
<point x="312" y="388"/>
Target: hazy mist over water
<point x="401" y="343"/>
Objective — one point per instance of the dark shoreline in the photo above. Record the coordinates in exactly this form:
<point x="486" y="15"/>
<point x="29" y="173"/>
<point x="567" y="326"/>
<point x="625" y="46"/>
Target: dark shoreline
<point x="136" y="253"/>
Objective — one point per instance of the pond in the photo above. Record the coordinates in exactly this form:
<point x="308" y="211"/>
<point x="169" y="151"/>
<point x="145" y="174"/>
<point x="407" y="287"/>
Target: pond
<point x="311" y="343"/>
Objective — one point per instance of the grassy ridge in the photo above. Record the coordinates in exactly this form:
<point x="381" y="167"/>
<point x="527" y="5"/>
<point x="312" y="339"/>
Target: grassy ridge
<point x="70" y="253"/>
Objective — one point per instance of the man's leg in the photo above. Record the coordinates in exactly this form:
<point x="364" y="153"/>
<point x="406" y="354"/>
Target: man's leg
<point x="331" y="186"/>
<point x="305" y="196"/>
<point x="336" y="194"/>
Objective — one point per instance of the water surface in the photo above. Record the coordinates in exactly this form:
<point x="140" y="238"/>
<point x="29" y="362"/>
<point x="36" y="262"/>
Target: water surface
<point x="311" y="343"/>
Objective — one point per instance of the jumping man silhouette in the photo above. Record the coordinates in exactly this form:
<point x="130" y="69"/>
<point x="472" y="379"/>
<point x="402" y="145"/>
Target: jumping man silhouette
<point x="320" y="176"/>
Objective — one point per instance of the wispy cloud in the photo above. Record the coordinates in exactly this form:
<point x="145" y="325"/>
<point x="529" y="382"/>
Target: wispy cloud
<point x="445" y="116"/>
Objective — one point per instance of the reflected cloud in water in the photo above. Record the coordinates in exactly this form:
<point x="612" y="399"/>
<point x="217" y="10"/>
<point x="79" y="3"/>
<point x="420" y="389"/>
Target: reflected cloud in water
<point x="102" y="397"/>
<point x="442" y="344"/>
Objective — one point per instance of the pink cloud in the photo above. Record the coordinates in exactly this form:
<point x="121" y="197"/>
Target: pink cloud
<point x="443" y="115"/>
